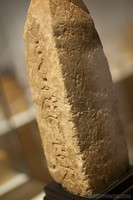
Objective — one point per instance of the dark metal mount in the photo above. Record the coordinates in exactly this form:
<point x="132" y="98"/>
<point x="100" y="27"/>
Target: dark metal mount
<point x="120" y="190"/>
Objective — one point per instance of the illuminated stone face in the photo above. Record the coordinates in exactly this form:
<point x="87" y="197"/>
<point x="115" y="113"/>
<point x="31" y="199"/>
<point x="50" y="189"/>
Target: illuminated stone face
<point x="73" y="95"/>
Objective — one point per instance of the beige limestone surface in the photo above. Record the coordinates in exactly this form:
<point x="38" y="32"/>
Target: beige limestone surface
<point x="73" y="95"/>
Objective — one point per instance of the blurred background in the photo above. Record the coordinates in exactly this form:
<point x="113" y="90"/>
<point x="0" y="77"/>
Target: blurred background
<point x="23" y="170"/>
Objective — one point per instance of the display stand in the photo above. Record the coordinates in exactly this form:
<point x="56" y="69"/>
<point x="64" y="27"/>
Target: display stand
<point x="122" y="189"/>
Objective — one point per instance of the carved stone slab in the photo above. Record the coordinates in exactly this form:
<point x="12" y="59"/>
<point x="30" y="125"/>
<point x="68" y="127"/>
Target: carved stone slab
<point x="73" y="95"/>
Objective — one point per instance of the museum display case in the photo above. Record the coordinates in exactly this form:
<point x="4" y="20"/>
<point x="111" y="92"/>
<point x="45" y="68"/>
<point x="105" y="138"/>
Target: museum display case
<point x="21" y="157"/>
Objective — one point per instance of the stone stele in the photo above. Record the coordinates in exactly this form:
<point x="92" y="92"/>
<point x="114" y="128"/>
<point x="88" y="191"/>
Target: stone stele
<point x="73" y="95"/>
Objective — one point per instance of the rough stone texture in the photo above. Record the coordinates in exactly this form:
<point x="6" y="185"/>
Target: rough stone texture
<point x="73" y="94"/>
